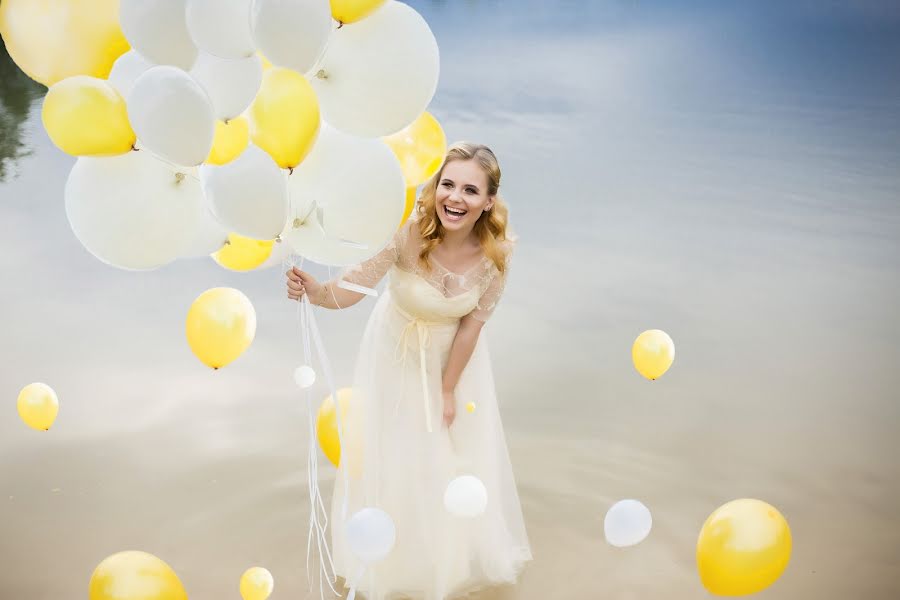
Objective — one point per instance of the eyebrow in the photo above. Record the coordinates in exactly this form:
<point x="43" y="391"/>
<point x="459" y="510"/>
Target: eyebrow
<point x="443" y="179"/>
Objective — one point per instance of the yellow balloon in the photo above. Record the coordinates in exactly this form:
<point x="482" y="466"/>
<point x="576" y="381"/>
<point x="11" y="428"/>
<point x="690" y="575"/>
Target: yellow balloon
<point x="221" y="324"/>
<point x="327" y="426"/>
<point x="470" y="407"/>
<point x="86" y="116"/>
<point x="38" y="406"/>
<point x="54" y="39"/>
<point x="134" y="575"/>
<point x="348" y="11"/>
<point x="410" y="204"/>
<point x="284" y="117"/>
<point x="420" y="147"/>
<point x="256" y="584"/>
<point x="230" y="140"/>
<point x="653" y="352"/>
<point x="242" y="253"/>
<point x="743" y="547"/>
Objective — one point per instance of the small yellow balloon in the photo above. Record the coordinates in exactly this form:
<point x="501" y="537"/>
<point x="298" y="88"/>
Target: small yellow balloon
<point x="86" y="116"/>
<point x="38" y="406"/>
<point x="470" y="407"/>
<point x="256" y="584"/>
<point x="242" y="253"/>
<point x="221" y="324"/>
<point x="135" y="575"/>
<point x="653" y="352"/>
<point x="743" y="547"/>
<point x="54" y="39"/>
<point x="284" y="117"/>
<point x="327" y="426"/>
<point x="349" y="11"/>
<point x="230" y="140"/>
<point x="420" y="147"/>
<point x="410" y="204"/>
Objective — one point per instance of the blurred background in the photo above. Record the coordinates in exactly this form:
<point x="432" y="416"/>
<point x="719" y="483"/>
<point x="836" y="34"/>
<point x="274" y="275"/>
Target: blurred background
<point x="726" y="172"/>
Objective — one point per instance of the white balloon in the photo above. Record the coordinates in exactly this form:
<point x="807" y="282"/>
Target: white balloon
<point x="304" y="376"/>
<point x="465" y="497"/>
<point x="221" y="27"/>
<point x="379" y="74"/>
<point x="347" y="199"/>
<point x="370" y="534"/>
<point x="132" y="211"/>
<point x="291" y="33"/>
<point x="126" y="70"/>
<point x="172" y="115"/>
<point x="248" y="195"/>
<point x="208" y="238"/>
<point x="158" y="30"/>
<point x="627" y="523"/>
<point x="231" y="84"/>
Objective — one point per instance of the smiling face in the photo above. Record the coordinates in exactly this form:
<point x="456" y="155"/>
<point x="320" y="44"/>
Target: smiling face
<point x="462" y="195"/>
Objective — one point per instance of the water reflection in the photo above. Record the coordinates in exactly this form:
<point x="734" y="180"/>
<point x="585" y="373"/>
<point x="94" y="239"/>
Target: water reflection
<point x="17" y="92"/>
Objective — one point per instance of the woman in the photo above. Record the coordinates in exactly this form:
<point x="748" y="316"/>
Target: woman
<point x="424" y="407"/>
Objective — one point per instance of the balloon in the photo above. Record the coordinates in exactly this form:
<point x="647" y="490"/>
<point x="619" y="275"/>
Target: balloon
<point x="132" y="211"/>
<point x="627" y="523"/>
<point x="466" y="497"/>
<point x="743" y="547"/>
<point x="327" y="425"/>
<point x="256" y="582"/>
<point x="158" y="30"/>
<point x="172" y="115"/>
<point x="221" y="28"/>
<point x="54" y="39"/>
<point x="349" y="11"/>
<point x="221" y="325"/>
<point x="209" y="236"/>
<point x="135" y="575"/>
<point x="409" y="205"/>
<point x="653" y="352"/>
<point x="370" y="534"/>
<point x="291" y="33"/>
<point x="470" y="407"/>
<point x="346" y="199"/>
<point x="284" y="117"/>
<point x="420" y="147"/>
<point x="305" y="377"/>
<point x="38" y="406"/>
<point x="86" y="116"/>
<point x="126" y="70"/>
<point x="231" y="84"/>
<point x="378" y="75"/>
<point x="229" y="141"/>
<point x="248" y="195"/>
<point x="243" y="253"/>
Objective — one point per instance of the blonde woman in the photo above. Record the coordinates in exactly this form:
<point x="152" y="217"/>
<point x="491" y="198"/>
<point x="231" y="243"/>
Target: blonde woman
<point x="424" y="409"/>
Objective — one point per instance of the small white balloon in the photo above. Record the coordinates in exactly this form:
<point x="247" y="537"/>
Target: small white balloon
<point x="466" y="497"/>
<point x="291" y="33"/>
<point x="378" y="75"/>
<point x="627" y="522"/>
<point x="158" y="30"/>
<point x="370" y="534"/>
<point x="248" y="195"/>
<point x="172" y="115"/>
<point x="305" y="376"/>
<point x="231" y="84"/>
<point x="126" y="70"/>
<point x="221" y="28"/>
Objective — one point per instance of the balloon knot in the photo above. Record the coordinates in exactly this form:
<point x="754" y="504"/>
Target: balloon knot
<point x="297" y="223"/>
<point x="340" y="24"/>
<point x="179" y="177"/>
<point x="321" y="74"/>
<point x="278" y="239"/>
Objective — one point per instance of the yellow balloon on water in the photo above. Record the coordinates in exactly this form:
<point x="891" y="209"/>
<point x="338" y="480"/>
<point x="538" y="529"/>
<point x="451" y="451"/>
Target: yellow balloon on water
<point x="54" y="39"/>
<point x="327" y="426"/>
<point x="230" y="140"/>
<point x="653" y="352"/>
<point x="420" y="147"/>
<point x="221" y="324"/>
<point x="743" y="547"/>
<point x="135" y="575"/>
<point x="256" y="584"/>
<point x="348" y="11"/>
<point x="86" y="116"/>
<point x="38" y="406"/>
<point x="243" y="253"/>
<point x="284" y="117"/>
<point x="410" y="204"/>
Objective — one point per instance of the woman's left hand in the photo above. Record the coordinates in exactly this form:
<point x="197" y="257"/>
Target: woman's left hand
<point x="449" y="408"/>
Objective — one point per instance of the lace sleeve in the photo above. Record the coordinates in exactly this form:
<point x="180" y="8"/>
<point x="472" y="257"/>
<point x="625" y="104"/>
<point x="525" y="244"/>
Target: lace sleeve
<point x="494" y="291"/>
<point x="369" y="272"/>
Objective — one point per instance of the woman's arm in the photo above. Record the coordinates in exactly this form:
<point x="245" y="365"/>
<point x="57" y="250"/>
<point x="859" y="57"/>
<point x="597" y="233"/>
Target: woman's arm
<point x="461" y="351"/>
<point x="333" y="296"/>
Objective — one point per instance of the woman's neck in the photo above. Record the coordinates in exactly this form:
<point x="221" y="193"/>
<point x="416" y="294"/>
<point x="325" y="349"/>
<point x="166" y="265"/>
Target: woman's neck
<point x="456" y="240"/>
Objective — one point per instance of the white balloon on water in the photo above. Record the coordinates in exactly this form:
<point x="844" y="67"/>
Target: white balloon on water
<point x="370" y="534"/>
<point x="221" y="27"/>
<point x="158" y="30"/>
<point x="231" y="84"/>
<point x="466" y="497"/>
<point x="291" y="33"/>
<point x="627" y="522"/>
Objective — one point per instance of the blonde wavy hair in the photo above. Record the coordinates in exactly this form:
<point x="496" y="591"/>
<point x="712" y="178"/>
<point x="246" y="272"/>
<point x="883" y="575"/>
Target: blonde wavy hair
<point x="491" y="226"/>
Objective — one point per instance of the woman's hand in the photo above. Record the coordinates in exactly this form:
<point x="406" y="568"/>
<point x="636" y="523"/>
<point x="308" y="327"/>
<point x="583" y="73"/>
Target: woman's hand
<point x="300" y="282"/>
<point x="449" y="408"/>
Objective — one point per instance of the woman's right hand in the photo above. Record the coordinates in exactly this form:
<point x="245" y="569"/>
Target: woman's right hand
<point x="300" y="283"/>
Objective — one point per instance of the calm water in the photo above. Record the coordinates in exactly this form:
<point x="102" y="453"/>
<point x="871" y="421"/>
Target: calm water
<point x="726" y="173"/>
